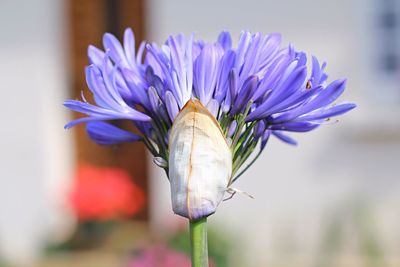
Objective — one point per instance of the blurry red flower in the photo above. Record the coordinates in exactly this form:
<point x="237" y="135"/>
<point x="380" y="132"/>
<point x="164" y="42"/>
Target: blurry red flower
<point x="104" y="193"/>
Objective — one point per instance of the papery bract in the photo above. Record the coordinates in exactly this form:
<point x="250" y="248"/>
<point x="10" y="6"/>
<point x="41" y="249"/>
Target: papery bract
<point x="200" y="162"/>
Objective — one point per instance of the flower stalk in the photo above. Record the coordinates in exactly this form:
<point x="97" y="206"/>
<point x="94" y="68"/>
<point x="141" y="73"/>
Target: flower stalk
<point x="198" y="242"/>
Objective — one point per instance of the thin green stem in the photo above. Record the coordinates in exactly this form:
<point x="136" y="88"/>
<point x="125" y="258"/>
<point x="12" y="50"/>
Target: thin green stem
<point x="247" y="167"/>
<point x="150" y="146"/>
<point x="198" y="242"/>
<point x="240" y="119"/>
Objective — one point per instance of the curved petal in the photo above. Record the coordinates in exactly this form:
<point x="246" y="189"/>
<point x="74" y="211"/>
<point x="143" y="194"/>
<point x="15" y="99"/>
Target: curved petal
<point x="114" y="47"/>
<point x="225" y="40"/>
<point x="284" y="138"/>
<point x="327" y="113"/>
<point x="172" y="105"/>
<point x="92" y="110"/>
<point x="129" y="47"/>
<point x="296" y="126"/>
<point x="107" y="134"/>
<point x="206" y="70"/>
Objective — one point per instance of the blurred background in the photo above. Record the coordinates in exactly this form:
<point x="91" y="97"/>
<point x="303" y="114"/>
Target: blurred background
<point x="332" y="201"/>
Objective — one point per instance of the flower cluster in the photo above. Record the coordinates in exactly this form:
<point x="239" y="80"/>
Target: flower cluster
<point x="255" y="90"/>
<point x="212" y="93"/>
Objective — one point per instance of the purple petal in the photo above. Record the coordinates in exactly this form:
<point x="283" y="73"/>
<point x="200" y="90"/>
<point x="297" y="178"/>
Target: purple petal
<point x="233" y="86"/>
<point x="293" y="105"/>
<point x="327" y="113"/>
<point x="301" y="58"/>
<point x="156" y="61"/>
<point x="172" y="105"/>
<point x="89" y="109"/>
<point x="92" y="75"/>
<point x="325" y="97"/>
<point x="331" y="93"/>
<point x="252" y="57"/>
<point x="102" y="84"/>
<point x="129" y="47"/>
<point x="157" y="106"/>
<point x="181" y="63"/>
<point x="136" y="87"/>
<point x="295" y="100"/>
<point x="223" y="80"/>
<point x="284" y="138"/>
<point x="291" y="84"/>
<point x="245" y="94"/>
<point x="114" y="47"/>
<point x="92" y="110"/>
<point x="122" y="87"/>
<point x="109" y="79"/>
<point x="139" y="54"/>
<point x="206" y="71"/>
<point x="269" y="49"/>
<point x="259" y="129"/>
<point x="83" y="120"/>
<point x="96" y="56"/>
<point x="316" y="71"/>
<point x="213" y="107"/>
<point x="265" y="138"/>
<point x="226" y="105"/>
<point x="107" y="134"/>
<point x="155" y="100"/>
<point x="158" y="85"/>
<point x="295" y="126"/>
<point x="225" y="40"/>
<point x="271" y="76"/>
<point x="286" y="87"/>
<point x="244" y="42"/>
<point x="177" y="59"/>
<point x="232" y="128"/>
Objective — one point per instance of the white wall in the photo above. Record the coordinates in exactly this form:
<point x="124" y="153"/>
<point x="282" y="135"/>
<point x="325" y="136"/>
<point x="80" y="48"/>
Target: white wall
<point x="297" y="189"/>
<point x="35" y="151"/>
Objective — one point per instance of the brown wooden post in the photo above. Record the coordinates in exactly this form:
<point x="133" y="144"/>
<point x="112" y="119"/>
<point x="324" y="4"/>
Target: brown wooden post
<point x="88" y="20"/>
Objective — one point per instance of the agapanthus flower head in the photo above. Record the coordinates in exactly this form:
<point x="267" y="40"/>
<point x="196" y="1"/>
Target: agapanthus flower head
<point x="245" y="93"/>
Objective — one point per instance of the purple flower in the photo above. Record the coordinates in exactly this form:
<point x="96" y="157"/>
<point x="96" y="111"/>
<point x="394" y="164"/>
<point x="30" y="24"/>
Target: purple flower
<point x="254" y="91"/>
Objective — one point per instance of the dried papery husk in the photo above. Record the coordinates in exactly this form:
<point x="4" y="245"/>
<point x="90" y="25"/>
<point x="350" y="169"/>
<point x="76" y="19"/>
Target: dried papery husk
<point x="200" y="162"/>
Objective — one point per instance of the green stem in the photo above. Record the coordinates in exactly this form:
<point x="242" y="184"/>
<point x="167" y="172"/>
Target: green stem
<point x="198" y="242"/>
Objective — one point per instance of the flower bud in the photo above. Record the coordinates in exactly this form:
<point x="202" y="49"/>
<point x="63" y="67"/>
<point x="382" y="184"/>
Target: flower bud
<point x="200" y="162"/>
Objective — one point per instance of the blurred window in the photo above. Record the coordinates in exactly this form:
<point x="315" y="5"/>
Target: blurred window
<point x="389" y="28"/>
